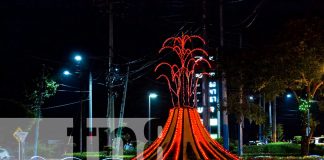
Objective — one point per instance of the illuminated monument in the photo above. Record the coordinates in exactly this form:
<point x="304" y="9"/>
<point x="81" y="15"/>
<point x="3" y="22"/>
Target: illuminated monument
<point x="184" y="136"/>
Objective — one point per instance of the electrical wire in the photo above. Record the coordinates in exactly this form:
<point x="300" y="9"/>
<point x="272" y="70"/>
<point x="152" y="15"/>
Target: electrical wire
<point x="252" y="16"/>
<point x="64" y="105"/>
<point x="72" y="91"/>
<point x="64" y="85"/>
<point x="149" y="64"/>
<point x="44" y="59"/>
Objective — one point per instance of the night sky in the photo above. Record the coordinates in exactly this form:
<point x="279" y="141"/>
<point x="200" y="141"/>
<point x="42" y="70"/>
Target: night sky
<point x="36" y="32"/>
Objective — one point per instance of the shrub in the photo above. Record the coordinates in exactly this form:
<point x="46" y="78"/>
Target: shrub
<point x="297" y="139"/>
<point x="273" y="149"/>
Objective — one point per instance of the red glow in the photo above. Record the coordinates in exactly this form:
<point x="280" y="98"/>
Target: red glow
<point x="182" y="83"/>
<point x="183" y="119"/>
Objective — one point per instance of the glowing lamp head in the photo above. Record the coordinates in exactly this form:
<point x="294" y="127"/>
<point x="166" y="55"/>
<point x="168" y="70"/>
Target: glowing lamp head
<point x="66" y="73"/>
<point x="288" y="95"/>
<point x="251" y="98"/>
<point x="78" y="58"/>
<point x="152" y="95"/>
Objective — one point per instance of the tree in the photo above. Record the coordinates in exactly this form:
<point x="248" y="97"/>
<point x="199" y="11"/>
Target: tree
<point x="241" y="73"/>
<point x="43" y="88"/>
<point x="298" y="60"/>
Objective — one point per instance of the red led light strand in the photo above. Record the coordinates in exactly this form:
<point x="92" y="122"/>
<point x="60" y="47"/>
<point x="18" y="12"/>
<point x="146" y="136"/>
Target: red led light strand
<point x="157" y="142"/>
<point x="213" y="150"/>
<point x="179" y="134"/>
<point x="182" y="84"/>
<point x="217" y="145"/>
<point x="182" y="73"/>
<point x="164" y="133"/>
<point x="193" y="122"/>
<point x="177" y="137"/>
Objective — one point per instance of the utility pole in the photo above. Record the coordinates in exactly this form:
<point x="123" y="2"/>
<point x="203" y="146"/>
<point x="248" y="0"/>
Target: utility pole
<point x="81" y="110"/>
<point x="38" y="111"/>
<point x="204" y="83"/>
<point x="121" y="115"/>
<point x="241" y="118"/>
<point x="223" y="87"/>
<point x="225" y="114"/>
<point x="110" y="93"/>
<point x="241" y="125"/>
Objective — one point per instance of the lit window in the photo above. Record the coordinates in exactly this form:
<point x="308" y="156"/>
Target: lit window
<point x="212" y="91"/>
<point x="212" y="84"/>
<point x="213" y="122"/>
<point x="213" y="136"/>
<point x="212" y="99"/>
<point x="212" y="109"/>
<point x="200" y="109"/>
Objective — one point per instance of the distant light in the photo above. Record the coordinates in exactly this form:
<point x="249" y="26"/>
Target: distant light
<point x="212" y="109"/>
<point x="67" y="73"/>
<point x="251" y="97"/>
<point x="288" y="95"/>
<point x="153" y="95"/>
<point x="213" y="122"/>
<point x="200" y="109"/>
<point x="78" y="58"/>
<point x="198" y="75"/>
<point x="213" y="136"/>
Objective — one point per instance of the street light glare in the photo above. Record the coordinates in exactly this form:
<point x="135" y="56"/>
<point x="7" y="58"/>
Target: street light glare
<point x="78" y="58"/>
<point x="288" y="95"/>
<point x="251" y="97"/>
<point x="67" y="73"/>
<point x="153" y="95"/>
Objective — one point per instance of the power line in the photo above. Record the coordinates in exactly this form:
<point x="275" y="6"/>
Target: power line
<point x="63" y="105"/>
<point x="251" y="18"/>
<point x="72" y="91"/>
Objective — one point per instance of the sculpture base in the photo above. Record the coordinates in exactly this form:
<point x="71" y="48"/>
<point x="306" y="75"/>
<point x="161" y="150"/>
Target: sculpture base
<point x="185" y="137"/>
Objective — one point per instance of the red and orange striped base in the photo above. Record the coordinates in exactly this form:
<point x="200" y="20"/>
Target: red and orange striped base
<point x="184" y="137"/>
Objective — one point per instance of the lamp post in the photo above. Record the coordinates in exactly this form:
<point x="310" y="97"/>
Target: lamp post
<point x="151" y="95"/>
<point x="78" y="59"/>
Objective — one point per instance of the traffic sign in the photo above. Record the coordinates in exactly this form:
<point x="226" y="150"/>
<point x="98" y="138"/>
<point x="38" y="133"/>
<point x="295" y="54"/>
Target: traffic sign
<point x="20" y="135"/>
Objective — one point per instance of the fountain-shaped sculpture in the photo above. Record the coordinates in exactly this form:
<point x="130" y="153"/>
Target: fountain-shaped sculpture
<point x="184" y="136"/>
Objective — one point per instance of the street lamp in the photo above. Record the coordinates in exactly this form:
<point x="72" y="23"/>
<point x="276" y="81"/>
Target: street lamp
<point x="151" y="95"/>
<point x="288" y="95"/>
<point x="66" y="73"/>
<point x="78" y="58"/>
